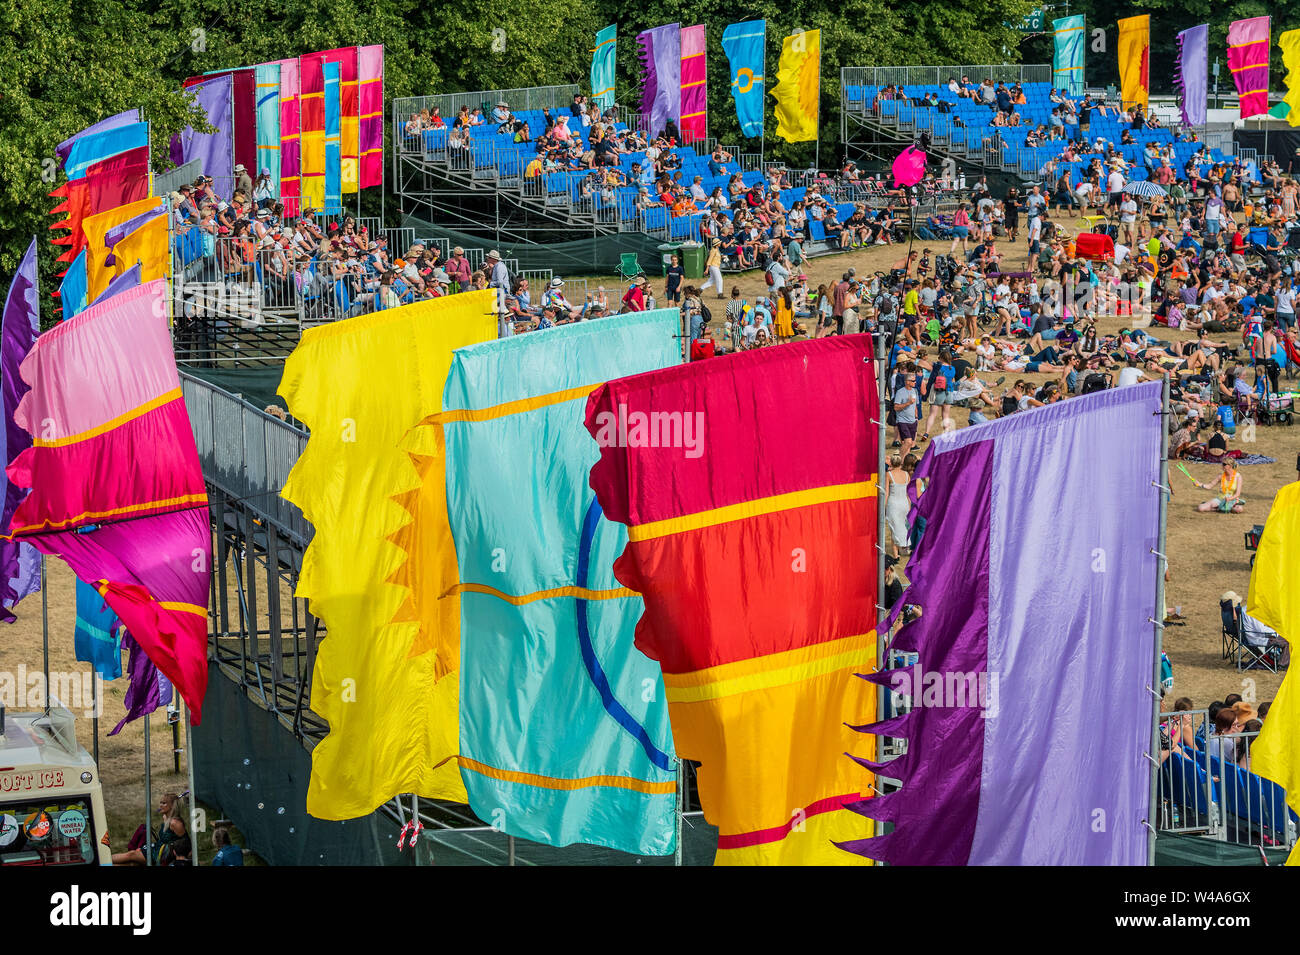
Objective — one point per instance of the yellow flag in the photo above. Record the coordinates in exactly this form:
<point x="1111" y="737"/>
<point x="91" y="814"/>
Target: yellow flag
<point x="388" y="688"/>
<point x="798" y="87"/>
<point x="147" y="245"/>
<point x="1290" y="44"/>
<point x="96" y="227"/>
<point x="1274" y="600"/>
<point x="1135" y="59"/>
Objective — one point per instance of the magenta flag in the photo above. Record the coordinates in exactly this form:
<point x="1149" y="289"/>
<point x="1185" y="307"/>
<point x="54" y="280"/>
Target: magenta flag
<point x="695" y="100"/>
<point x="909" y="167"/>
<point x="19" y="563"/>
<point x="1027" y="632"/>
<point x="290" y="164"/>
<point x="116" y="487"/>
<point x="370" y="62"/>
<point x="1248" y="60"/>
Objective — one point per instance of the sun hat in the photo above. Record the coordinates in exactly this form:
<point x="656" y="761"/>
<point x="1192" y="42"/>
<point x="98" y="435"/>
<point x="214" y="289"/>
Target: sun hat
<point x="557" y="282"/>
<point x="494" y="254"/>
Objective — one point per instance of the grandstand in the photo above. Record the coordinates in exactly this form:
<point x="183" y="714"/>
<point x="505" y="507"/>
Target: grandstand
<point x="960" y="129"/>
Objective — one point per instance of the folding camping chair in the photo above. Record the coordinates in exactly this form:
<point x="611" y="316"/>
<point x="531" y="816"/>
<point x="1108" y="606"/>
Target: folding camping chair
<point x="629" y="266"/>
<point x="1231" y="630"/>
<point x="1260" y="647"/>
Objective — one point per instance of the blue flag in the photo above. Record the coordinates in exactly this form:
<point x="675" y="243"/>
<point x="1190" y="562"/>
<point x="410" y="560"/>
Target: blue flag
<point x="1067" y="54"/>
<point x="73" y="290"/>
<point x="746" y="45"/>
<point x="602" y="68"/>
<point x="96" y="639"/>
<point x="333" y="140"/>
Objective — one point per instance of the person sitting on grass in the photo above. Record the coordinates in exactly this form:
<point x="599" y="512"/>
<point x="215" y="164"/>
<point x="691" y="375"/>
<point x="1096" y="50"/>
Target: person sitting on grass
<point x="1229" y="499"/>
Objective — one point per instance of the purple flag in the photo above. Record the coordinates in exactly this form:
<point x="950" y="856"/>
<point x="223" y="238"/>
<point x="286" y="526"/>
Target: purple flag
<point x="125" y="118"/>
<point x="120" y="283"/>
<point x="661" y="57"/>
<point x="1189" y="73"/>
<point x="120" y="231"/>
<point x="214" y="151"/>
<point x="148" y="688"/>
<point x="20" y="564"/>
<point x="1033" y="627"/>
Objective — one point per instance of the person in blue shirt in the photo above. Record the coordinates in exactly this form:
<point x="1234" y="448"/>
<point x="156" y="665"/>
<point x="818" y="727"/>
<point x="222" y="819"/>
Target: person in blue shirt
<point x="227" y="854"/>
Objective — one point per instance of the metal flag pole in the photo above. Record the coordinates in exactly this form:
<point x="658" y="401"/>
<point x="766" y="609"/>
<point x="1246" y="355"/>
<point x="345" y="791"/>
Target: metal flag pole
<point x="45" y="636"/>
<point x="681" y="810"/>
<point x="882" y="638"/>
<point x="189" y="770"/>
<point x="1158" y="621"/>
<point x="148" y="795"/>
<point x="94" y="709"/>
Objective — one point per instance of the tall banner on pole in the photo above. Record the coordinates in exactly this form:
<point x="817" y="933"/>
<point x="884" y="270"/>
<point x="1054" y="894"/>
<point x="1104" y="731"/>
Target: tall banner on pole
<point x="798" y="87"/>
<point x="1135" y="60"/>
<point x="661" y="58"/>
<point x="745" y="45"/>
<point x="1248" y="60"/>
<point x="1290" y="44"/>
<point x="1067" y="54"/>
<point x="370" y="105"/>
<point x="311" y="78"/>
<point x="602" y="67"/>
<point x="695" y="100"/>
<point x="268" y="123"/>
<point x="290" y="144"/>
<point x="334" y="175"/>
<point x="1190" y="73"/>
<point x="1006" y="614"/>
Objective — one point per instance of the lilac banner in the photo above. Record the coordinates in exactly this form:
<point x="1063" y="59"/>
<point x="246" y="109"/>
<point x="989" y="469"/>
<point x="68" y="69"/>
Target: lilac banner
<point x="1189" y="73"/>
<point x="125" y="118"/>
<point x="1032" y="624"/>
<point x="661" y="58"/>
<point x="20" y="564"/>
<point x="214" y="151"/>
<point x="148" y="689"/>
<point x="120" y="283"/>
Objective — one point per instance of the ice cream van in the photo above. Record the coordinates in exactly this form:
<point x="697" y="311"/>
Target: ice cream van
<point x="51" y="803"/>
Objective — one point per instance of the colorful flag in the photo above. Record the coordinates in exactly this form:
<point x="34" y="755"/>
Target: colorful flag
<point x="93" y="147"/>
<point x="125" y="118"/>
<point x="72" y="293"/>
<point x="1135" y="60"/>
<point x="120" y="282"/>
<point x="752" y="541"/>
<point x="798" y="87"/>
<point x="147" y="689"/>
<point x="215" y="150"/>
<point x="1026" y="632"/>
<point x="268" y="124"/>
<point x="97" y="229"/>
<point x="111" y="182"/>
<point x="117" y="490"/>
<point x="909" y="167"/>
<point x="1067" y="54"/>
<point x="1248" y="49"/>
<point x="1290" y="44"/>
<point x="386" y="678"/>
<point x="19" y="326"/>
<point x="243" y="108"/>
<point x="290" y="184"/>
<point x="333" y="148"/>
<point x="311" y="76"/>
<point x="602" y="67"/>
<point x="95" y="636"/>
<point x="1190" y="72"/>
<point x="579" y="748"/>
<point x="141" y="244"/>
<point x="370" y="107"/>
<point x="695" y="101"/>
<point x="1274" y="601"/>
<point x="746" y="45"/>
<point x="661" y="60"/>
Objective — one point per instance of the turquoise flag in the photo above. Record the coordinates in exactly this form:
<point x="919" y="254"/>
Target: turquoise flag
<point x="746" y="45"/>
<point x="268" y="122"/>
<point x="564" y="731"/>
<point x="93" y="147"/>
<point x="97" y="639"/>
<point x="333" y="141"/>
<point x="1067" y="57"/>
<point x="73" y="289"/>
<point x="602" y="67"/>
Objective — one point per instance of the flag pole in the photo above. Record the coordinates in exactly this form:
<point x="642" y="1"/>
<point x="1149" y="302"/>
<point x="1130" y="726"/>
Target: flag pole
<point x="817" y="161"/>
<point x="45" y="635"/>
<point x="148" y="793"/>
<point x="1158" y="621"/>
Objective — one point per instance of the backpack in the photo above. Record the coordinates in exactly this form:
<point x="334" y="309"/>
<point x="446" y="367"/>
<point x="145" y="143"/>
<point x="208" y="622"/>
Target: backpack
<point x="1095" y="382"/>
<point x="705" y="314"/>
<point x="767" y="277"/>
<point x="1009" y="405"/>
<point x="942" y="378"/>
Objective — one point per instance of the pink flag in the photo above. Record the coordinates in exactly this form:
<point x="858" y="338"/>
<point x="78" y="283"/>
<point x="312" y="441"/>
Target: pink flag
<point x="371" y="61"/>
<point x="909" y="167"/>
<point x="695" y="120"/>
<point x="1248" y="60"/>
